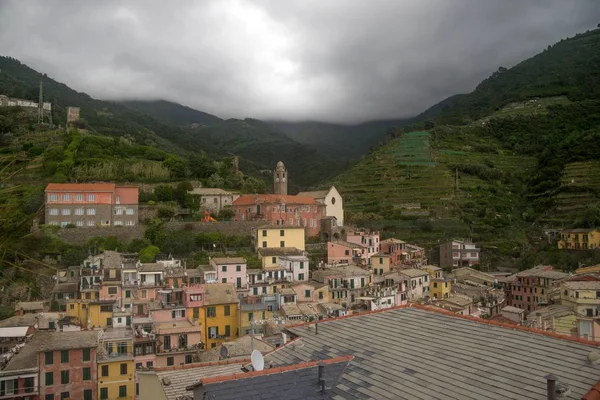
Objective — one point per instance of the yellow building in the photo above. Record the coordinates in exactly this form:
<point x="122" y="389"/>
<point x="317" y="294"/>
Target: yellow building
<point x="579" y="239"/>
<point x="381" y="263"/>
<point x="280" y="236"/>
<point x="219" y="315"/>
<point x="434" y="271"/>
<point x="440" y="288"/>
<point x="116" y="368"/>
<point x="593" y="269"/>
<point x="582" y="296"/>
<point x="91" y="314"/>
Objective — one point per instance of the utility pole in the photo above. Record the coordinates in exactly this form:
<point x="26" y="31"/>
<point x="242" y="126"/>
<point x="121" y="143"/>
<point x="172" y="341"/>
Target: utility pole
<point x="41" y="105"/>
<point x="456" y="180"/>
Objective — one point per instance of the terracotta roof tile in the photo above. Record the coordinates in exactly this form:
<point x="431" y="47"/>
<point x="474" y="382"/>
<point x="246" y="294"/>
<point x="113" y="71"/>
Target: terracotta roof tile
<point x="82" y="187"/>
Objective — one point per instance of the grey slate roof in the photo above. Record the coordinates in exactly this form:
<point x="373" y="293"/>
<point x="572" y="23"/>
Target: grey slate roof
<point x="297" y="384"/>
<point x="27" y="357"/>
<point x="179" y="378"/>
<point x="70" y="340"/>
<point x="412" y="353"/>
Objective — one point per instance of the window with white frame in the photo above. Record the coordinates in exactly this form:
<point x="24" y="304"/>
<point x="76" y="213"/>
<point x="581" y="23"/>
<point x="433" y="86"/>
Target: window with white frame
<point x="52" y="197"/>
<point x="66" y="211"/>
<point x="53" y="222"/>
<point x="66" y="197"/>
<point x="79" y="223"/>
<point x="91" y="223"/>
<point x="53" y="211"/>
<point x="91" y="197"/>
<point x="118" y="199"/>
<point x="118" y="211"/>
<point x="79" y="211"/>
<point x="118" y="223"/>
<point x="79" y="197"/>
<point x="130" y="223"/>
<point x="91" y="211"/>
<point x="130" y="211"/>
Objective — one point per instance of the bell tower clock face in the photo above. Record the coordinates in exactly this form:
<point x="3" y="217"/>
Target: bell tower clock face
<point x="283" y="180"/>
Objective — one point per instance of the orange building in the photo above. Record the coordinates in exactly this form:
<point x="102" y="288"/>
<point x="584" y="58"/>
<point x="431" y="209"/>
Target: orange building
<point x="91" y="204"/>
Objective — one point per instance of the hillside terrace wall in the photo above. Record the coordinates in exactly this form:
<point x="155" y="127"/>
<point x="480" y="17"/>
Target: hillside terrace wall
<point x="127" y="234"/>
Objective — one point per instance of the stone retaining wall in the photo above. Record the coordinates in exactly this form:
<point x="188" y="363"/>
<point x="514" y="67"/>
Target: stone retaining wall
<point x="127" y="234"/>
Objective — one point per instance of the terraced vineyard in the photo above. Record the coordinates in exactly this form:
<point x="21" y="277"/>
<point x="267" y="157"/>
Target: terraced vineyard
<point x="580" y="186"/>
<point x="408" y="193"/>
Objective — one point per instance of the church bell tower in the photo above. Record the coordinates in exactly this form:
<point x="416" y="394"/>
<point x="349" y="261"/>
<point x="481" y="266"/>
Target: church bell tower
<point x="280" y="179"/>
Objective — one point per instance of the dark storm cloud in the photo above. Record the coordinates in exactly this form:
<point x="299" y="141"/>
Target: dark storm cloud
<point x="335" y="61"/>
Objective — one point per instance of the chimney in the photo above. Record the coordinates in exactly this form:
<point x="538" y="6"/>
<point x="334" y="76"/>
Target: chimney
<point x="316" y="329"/>
<point x="551" y="386"/>
<point x="322" y="376"/>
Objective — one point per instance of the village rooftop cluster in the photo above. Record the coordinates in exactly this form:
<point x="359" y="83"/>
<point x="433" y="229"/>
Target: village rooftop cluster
<point x="374" y="319"/>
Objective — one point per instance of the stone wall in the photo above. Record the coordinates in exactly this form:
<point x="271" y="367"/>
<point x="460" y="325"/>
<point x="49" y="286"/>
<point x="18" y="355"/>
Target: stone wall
<point x="126" y="234"/>
<point x="82" y="235"/>
<point x="233" y="228"/>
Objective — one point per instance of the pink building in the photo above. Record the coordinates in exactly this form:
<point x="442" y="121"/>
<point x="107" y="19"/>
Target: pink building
<point x="530" y="289"/>
<point x="193" y="296"/>
<point x="340" y="252"/>
<point x="395" y="248"/>
<point x="231" y="270"/>
<point x="369" y="240"/>
<point x="178" y="340"/>
<point x="279" y="209"/>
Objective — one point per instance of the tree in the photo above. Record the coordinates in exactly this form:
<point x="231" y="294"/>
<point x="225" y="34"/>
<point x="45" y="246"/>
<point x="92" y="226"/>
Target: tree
<point x="177" y="166"/>
<point x="148" y="254"/>
<point x="164" y="193"/>
<point x="226" y="213"/>
<point x="182" y="190"/>
<point x="154" y="233"/>
<point x="215" y="181"/>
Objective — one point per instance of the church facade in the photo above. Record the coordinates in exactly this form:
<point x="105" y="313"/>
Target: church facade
<point x="280" y="208"/>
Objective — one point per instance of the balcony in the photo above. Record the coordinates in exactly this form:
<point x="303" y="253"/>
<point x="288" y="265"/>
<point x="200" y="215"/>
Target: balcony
<point x="114" y="357"/>
<point x="131" y="283"/>
<point x="152" y="283"/>
<point x="185" y="349"/>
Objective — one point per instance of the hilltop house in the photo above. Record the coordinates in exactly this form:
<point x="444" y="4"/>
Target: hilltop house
<point x="91" y="204"/>
<point x="579" y="239"/>
<point x="458" y="253"/>
<point x="214" y="199"/>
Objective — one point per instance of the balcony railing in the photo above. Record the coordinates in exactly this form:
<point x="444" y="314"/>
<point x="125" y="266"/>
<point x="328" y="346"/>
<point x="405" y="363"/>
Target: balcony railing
<point x="191" y="347"/>
<point x="115" y="356"/>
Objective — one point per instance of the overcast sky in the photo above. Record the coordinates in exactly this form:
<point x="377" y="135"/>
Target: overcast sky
<point x="334" y="60"/>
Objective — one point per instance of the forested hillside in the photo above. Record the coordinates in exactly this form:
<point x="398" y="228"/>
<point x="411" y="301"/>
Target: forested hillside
<point x="514" y="157"/>
<point x="169" y="127"/>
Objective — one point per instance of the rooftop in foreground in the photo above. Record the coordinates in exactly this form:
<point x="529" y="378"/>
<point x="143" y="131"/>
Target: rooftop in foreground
<point x="417" y="353"/>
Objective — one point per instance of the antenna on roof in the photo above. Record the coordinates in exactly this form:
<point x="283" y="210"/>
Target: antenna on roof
<point x="258" y="361"/>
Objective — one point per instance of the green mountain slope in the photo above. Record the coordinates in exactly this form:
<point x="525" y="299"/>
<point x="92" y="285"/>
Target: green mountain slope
<point x="170" y="112"/>
<point x="568" y="68"/>
<point x="156" y="124"/>
<point x="346" y="141"/>
<point x="516" y="156"/>
<point x="260" y="146"/>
